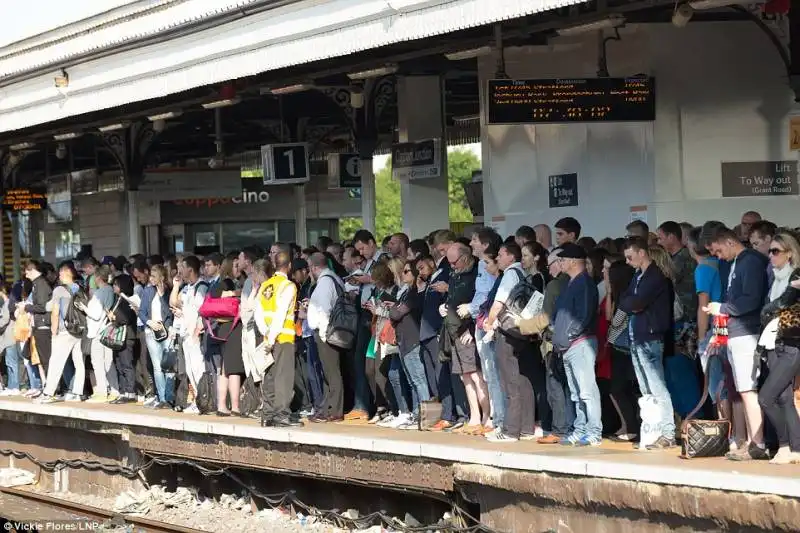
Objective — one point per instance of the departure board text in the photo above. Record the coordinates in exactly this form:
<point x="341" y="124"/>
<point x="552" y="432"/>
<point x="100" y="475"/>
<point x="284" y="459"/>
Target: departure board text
<point x="25" y="199"/>
<point x="572" y="100"/>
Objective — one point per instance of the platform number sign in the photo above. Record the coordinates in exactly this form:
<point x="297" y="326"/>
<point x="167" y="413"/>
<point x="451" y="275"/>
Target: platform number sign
<point x="563" y="190"/>
<point x="285" y="163"/>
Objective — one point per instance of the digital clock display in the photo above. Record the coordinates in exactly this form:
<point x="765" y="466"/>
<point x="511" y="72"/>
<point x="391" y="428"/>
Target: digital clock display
<point x="572" y="100"/>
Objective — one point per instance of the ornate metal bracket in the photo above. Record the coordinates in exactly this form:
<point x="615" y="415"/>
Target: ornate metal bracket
<point x="11" y="161"/>
<point x="130" y="148"/>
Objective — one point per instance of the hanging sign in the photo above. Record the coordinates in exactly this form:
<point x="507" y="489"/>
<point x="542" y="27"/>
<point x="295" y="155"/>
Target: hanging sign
<point x="25" y="199"/>
<point x="417" y="160"/>
<point x="563" y="190"/>
<point x="572" y="100"/>
<point x="285" y="163"/>
<point x="794" y="134"/>
<point x="759" y="178"/>
<point x="344" y="171"/>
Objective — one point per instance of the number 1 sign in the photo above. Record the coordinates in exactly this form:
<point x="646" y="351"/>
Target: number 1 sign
<point x="285" y="163"/>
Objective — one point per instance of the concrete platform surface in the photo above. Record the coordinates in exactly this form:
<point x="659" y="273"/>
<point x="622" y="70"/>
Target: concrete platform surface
<point x="611" y="460"/>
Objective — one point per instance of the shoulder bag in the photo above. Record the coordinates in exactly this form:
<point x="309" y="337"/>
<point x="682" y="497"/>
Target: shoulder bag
<point x="114" y="336"/>
<point x="705" y="438"/>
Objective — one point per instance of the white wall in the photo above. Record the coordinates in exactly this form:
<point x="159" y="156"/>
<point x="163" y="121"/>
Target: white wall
<point x="721" y="94"/>
<point x="103" y="223"/>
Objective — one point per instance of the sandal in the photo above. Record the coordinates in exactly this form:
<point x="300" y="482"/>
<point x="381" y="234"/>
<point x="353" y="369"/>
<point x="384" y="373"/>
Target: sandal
<point x="222" y="414"/>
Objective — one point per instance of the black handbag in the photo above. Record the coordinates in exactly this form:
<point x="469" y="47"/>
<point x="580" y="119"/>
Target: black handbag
<point x="169" y="358"/>
<point x="705" y="438"/>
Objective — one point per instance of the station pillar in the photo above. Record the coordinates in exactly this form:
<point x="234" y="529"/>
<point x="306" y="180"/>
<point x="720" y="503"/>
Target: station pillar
<point x="134" y="231"/>
<point x="368" y="201"/>
<point x="301" y="216"/>
<point x="425" y="202"/>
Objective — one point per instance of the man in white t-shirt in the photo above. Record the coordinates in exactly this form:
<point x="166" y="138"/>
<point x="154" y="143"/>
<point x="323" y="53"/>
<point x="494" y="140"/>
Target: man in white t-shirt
<point x="191" y="325"/>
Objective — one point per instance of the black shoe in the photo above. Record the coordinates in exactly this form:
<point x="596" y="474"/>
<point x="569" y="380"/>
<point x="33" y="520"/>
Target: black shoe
<point x="286" y="422"/>
<point x="162" y="405"/>
<point x="222" y="414"/>
<point x="122" y="400"/>
<point x="267" y="422"/>
<point x="318" y="419"/>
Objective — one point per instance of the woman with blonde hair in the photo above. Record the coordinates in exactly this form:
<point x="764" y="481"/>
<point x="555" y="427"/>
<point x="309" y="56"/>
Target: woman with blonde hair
<point x="157" y="317"/>
<point x="781" y="342"/>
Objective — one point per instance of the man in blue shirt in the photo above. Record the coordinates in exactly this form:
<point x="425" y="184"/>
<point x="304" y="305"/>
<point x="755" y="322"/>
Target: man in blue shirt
<point x="574" y="326"/>
<point x="747" y="291"/>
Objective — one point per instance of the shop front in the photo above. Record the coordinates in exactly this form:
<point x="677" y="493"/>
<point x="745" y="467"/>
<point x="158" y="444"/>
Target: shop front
<point x="188" y="211"/>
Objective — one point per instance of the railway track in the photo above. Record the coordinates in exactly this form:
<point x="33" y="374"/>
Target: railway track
<point x="26" y="507"/>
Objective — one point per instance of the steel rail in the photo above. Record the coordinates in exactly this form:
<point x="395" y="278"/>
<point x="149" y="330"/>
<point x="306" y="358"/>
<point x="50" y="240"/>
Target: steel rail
<point x="94" y="513"/>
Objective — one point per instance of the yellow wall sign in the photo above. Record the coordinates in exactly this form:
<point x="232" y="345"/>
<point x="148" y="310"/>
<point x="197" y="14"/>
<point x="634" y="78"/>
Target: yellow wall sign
<point x="794" y="133"/>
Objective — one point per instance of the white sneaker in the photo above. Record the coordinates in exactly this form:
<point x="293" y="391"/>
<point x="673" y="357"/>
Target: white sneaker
<point x="499" y="436"/>
<point x="192" y="410"/>
<point x="70" y="397"/>
<point x="150" y="402"/>
<point x="387" y="422"/>
<point x="400" y="420"/>
<point x="411" y="424"/>
<point x="9" y="392"/>
<point x="538" y="433"/>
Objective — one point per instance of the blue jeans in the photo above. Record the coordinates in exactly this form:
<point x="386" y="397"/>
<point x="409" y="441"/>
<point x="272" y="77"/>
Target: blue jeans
<point x="12" y="363"/>
<point x="579" y="361"/>
<point x="415" y="372"/>
<point x="488" y="357"/>
<point x="648" y="363"/>
<point x="33" y="375"/>
<point x="397" y="378"/>
<point x="164" y="382"/>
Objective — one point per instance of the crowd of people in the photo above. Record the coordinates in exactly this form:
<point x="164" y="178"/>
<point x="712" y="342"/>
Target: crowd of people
<point x="516" y="338"/>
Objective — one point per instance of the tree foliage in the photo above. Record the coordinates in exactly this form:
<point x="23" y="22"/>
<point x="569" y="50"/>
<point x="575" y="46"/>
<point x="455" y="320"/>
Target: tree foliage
<point x="388" y="216"/>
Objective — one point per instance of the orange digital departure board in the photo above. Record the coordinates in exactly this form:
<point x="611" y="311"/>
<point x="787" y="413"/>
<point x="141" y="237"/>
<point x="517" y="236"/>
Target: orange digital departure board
<point x="25" y="199"/>
<point x="572" y="100"/>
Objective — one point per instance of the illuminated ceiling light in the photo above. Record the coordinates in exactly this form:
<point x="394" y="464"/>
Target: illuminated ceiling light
<point x="373" y="73"/>
<point x="67" y="136"/>
<point x="165" y="116"/>
<point x="701" y="5"/>
<point x="22" y="146"/>
<point x="466" y="118"/>
<point x="613" y="21"/>
<point x="222" y="103"/>
<point x="113" y="127"/>
<point x="289" y="89"/>
<point x="469" y="54"/>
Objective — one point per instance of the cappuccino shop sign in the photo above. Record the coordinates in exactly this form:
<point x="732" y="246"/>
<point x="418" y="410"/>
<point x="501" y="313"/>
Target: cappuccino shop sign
<point x="417" y="160"/>
<point x="759" y="178"/>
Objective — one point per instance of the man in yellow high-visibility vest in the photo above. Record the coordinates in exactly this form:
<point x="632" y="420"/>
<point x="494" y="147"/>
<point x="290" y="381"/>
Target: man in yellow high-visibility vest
<point x="278" y="299"/>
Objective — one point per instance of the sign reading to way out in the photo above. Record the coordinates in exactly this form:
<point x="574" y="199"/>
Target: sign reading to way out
<point x="759" y="178"/>
<point x="563" y="190"/>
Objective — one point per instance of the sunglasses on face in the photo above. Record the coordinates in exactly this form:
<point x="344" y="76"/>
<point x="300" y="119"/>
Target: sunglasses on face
<point x="776" y="251"/>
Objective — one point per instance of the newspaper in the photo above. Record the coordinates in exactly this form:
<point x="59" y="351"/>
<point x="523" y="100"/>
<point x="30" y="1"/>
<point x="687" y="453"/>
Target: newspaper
<point x="533" y="307"/>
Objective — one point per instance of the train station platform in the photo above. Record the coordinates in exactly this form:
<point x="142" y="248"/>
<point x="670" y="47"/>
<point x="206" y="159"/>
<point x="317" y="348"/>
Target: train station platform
<point x="615" y="484"/>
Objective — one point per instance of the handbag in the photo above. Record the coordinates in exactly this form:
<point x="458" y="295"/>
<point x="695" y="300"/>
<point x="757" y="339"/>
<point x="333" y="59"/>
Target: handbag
<point x="705" y="438"/>
<point x="23" y="330"/>
<point x="169" y="358"/>
<point x="160" y="334"/>
<point x="113" y="336"/>
<point x="388" y="335"/>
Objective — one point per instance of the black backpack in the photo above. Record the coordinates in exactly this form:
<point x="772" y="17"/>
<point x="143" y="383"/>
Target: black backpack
<point x="249" y="398"/>
<point x="343" y="324"/>
<point x="206" y="395"/>
<point x="75" y="319"/>
<point x="518" y="299"/>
